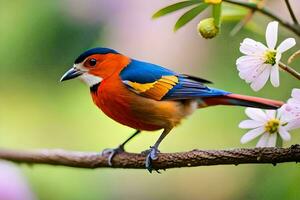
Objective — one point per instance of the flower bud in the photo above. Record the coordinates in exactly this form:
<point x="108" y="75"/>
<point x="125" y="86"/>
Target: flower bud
<point x="213" y="1"/>
<point x="207" y="28"/>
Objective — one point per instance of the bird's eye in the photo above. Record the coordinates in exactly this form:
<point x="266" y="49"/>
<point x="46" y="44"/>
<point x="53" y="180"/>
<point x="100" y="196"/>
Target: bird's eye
<point x="92" y="62"/>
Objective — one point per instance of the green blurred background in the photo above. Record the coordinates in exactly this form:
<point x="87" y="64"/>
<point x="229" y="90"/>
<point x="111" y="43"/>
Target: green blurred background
<point x="39" y="41"/>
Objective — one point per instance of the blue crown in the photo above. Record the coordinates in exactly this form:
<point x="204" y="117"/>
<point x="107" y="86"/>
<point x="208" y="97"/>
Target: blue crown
<point x="89" y="52"/>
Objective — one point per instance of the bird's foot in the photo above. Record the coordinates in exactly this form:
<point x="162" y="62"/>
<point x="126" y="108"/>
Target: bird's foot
<point x="152" y="154"/>
<point x="111" y="152"/>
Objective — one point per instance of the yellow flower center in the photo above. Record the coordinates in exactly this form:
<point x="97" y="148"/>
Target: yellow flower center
<point x="213" y="1"/>
<point x="272" y="126"/>
<point x="270" y="56"/>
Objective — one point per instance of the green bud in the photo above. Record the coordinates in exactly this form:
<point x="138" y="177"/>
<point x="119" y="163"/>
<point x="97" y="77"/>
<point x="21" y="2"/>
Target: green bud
<point x="207" y="28"/>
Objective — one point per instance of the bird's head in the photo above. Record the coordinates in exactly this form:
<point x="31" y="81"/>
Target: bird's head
<point x="96" y="64"/>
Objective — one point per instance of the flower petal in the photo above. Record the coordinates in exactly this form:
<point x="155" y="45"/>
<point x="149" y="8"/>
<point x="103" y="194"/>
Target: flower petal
<point x="248" y="74"/>
<point x="263" y="140"/>
<point x="286" y="45"/>
<point x="294" y="124"/>
<point x="248" y="62"/>
<point x="281" y="112"/>
<point x="251" y="47"/>
<point x="272" y="140"/>
<point x="278" y="57"/>
<point x="275" y="76"/>
<point x="250" y="135"/>
<point x="256" y="114"/>
<point x="286" y="115"/>
<point x="293" y="108"/>
<point x="250" y="124"/>
<point x="293" y="104"/>
<point x="262" y="79"/>
<point x="271" y="114"/>
<point x="246" y="65"/>
<point x="271" y="34"/>
<point x="296" y="93"/>
<point x="284" y="134"/>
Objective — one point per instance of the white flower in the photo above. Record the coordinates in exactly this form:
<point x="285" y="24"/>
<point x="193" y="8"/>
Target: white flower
<point x="261" y="62"/>
<point x="268" y="125"/>
<point x="293" y="107"/>
<point x="293" y="104"/>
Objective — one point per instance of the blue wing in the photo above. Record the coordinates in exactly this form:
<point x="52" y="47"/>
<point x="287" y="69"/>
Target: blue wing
<point x="189" y="88"/>
<point x="143" y="72"/>
<point x="159" y="83"/>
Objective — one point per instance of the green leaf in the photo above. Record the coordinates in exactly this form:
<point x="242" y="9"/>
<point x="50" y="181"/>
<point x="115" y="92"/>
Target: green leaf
<point x="189" y="15"/>
<point x="232" y="13"/>
<point x="216" y="11"/>
<point x="174" y="7"/>
<point x="233" y="9"/>
<point x="232" y="18"/>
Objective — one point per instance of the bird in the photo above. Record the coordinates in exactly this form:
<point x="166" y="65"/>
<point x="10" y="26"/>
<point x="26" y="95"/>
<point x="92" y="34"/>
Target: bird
<point x="148" y="97"/>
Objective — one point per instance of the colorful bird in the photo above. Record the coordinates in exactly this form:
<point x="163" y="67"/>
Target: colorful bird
<point x="146" y="96"/>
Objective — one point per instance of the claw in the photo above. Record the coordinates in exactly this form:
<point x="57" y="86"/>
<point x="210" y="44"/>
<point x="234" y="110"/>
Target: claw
<point x="152" y="155"/>
<point x="111" y="152"/>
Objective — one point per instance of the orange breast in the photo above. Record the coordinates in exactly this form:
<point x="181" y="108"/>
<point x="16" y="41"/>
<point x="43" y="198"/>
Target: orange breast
<point x="116" y="101"/>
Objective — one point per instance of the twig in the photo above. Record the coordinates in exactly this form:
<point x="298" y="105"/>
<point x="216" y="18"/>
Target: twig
<point x="291" y="12"/>
<point x="246" y="19"/>
<point x="242" y="23"/>
<point x="164" y="161"/>
<point x="289" y="70"/>
<point x="295" y="29"/>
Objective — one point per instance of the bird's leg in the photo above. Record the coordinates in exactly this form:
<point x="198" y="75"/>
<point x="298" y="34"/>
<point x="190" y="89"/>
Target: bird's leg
<point x="153" y="151"/>
<point x="119" y="149"/>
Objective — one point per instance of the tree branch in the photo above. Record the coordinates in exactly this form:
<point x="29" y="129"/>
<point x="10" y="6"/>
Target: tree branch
<point x="291" y="12"/>
<point x="164" y="161"/>
<point x="247" y="18"/>
<point x="252" y="6"/>
<point x="289" y="70"/>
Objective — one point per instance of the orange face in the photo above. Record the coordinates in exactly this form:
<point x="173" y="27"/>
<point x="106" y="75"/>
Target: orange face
<point x="96" y="67"/>
<point x="105" y="65"/>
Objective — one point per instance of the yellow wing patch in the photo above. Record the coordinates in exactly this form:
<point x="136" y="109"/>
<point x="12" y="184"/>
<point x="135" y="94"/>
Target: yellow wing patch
<point x="155" y="90"/>
<point x="140" y="87"/>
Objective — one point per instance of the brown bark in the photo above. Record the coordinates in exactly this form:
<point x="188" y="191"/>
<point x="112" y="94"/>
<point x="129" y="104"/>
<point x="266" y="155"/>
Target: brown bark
<point x="165" y="160"/>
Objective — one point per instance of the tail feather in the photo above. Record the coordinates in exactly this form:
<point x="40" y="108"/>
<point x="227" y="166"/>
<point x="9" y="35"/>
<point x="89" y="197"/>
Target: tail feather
<point x="242" y="100"/>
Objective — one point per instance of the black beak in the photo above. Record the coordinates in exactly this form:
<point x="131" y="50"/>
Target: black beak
<point x="71" y="73"/>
